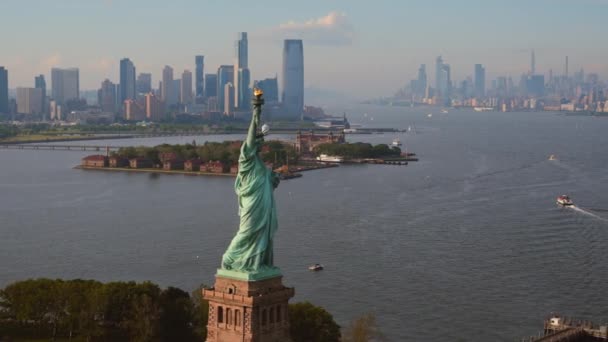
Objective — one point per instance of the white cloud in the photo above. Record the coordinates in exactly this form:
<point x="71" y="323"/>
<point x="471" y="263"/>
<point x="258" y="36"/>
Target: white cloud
<point x="333" y="29"/>
<point x="50" y="61"/>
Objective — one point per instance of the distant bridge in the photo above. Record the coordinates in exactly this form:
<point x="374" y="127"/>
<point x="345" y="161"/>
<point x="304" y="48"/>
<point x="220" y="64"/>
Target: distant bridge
<point x="47" y="147"/>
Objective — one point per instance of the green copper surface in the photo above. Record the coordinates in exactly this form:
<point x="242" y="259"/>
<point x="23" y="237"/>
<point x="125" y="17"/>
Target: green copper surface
<point x="264" y="273"/>
<point x="250" y="251"/>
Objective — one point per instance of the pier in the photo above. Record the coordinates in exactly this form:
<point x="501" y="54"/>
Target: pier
<point x="561" y="329"/>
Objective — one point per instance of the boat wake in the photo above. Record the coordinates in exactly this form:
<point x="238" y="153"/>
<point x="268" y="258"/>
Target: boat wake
<point x="587" y="212"/>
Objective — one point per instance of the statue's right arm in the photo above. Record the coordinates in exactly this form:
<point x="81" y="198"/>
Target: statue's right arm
<point x="253" y="127"/>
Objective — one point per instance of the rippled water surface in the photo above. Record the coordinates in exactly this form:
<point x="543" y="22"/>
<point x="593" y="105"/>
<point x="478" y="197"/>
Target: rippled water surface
<point x="466" y="244"/>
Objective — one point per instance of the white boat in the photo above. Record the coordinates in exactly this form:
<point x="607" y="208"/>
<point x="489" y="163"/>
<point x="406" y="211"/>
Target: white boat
<point x="430" y="115"/>
<point x="330" y="159"/>
<point x="315" y="267"/>
<point x="444" y="111"/>
<point x="483" y="109"/>
<point x="552" y="157"/>
<point x="564" y="200"/>
<point x="396" y="142"/>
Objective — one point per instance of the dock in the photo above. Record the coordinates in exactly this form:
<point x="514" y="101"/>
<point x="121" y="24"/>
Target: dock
<point x="562" y="329"/>
<point x="48" y="147"/>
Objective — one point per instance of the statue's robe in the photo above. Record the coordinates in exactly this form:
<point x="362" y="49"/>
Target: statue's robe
<point x="251" y="248"/>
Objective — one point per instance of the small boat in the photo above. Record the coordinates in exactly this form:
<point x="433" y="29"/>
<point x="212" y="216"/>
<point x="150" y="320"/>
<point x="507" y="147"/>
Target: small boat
<point x="315" y="267"/>
<point x="430" y="115"/>
<point x="396" y="142"/>
<point x="330" y="159"/>
<point x="564" y="201"/>
<point x="444" y="111"/>
<point x="552" y="157"/>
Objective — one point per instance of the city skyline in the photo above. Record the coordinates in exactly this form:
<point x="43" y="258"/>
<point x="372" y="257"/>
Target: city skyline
<point x="340" y="38"/>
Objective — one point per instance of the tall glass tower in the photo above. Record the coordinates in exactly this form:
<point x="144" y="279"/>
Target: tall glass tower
<point x="241" y="73"/>
<point x="3" y="90"/>
<point x="127" y="80"/>
<point x="198" y="75"/>
<point x="292" y="94"/>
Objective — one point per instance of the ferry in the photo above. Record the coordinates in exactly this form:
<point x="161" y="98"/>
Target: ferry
<point x="396" y="142"/>
<point x="564" y="201"/>
<point x="330" y="159"/>
<point x="315" y="267"/>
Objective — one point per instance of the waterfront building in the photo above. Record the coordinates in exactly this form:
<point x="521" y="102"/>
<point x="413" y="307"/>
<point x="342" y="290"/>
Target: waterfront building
<point x="97" y="160"/>
<point x="40" y="83"/>
<point x="134" y="111"/>
<point x="241" y="72"/>
<point x="198" y="75"/>
<point x="176" y="95"/>
<point x="442" y="80"/>
<point x="65" y="84"/>
<point x="480" y="81"/>
<point x="127" y="80"/>
<point x="155" y="108"/>
<point x="144" y="83"/>
<point x="292" y="93"/>
<point x="210" y="85"/>
<point x="306" y="142"/>
<point x="243" y="93"/>
<point x="3" y="90"/>
<point x="228" y="107"/>
<point x="166" y="89"/>
<point x="186" y="87"/>
<point x="270" y="87"/>
<point x="28" y="101"/>
<point x="225" y="75"/>
<point x="54" y="110"/>
<point x="106" y="96"/>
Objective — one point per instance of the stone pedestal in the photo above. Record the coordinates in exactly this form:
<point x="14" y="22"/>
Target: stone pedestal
<point x="248" y="310"/>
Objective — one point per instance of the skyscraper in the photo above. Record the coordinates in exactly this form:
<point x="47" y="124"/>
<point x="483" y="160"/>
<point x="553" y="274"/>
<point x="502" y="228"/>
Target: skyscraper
<point x="106" y="96"/>
<point x="3" y="90"/>
<point x="28" y="100"/>
<point x="127" y="80"/>
<point x="243" y="91"/>
<point x="186" y="87"/>
<point x="155" y="108"/>
<point x="566" y="68"/>
<point x="166" y="90"/>
<point x="225" y="74"/>
<point x="421" y="81"/>
<point x="176" y="94"/>
<point x="199" y="72"/>
<point x="480" y="81"/>
<point x="228" y="107"/>
<point x="65" y="85"/>
<point x="144" y="83"/>
<point x="442" y="79"/>
<point x="210" y="85"/>
<point x="270" y="87"/>
<point x="40" y="83"/>
<point x="292" y="94"/>
<point x="241" y="73"/>
<point x="532" y="63"/>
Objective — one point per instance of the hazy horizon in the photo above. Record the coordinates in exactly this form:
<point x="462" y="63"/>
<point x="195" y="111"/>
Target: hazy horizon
<point x="362" y="49"/>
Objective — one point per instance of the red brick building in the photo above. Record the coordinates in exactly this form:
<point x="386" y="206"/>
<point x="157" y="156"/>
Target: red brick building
<point x="216" y="167"/>
<point x="192" y="164"/>
<point x="96" y="160"/>
<point x="305" y="143"/>
<point x="234" y="169"/>
<point x="173" y="164"/>
<point x="164" y="156"/>
<point x="119" y="162"/>
<point x="140" y="163"/>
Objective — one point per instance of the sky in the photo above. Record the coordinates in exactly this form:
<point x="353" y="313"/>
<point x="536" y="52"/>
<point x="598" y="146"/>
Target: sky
<point x="358" y="48"/>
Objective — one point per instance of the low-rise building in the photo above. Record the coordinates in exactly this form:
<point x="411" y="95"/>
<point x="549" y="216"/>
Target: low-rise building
<point x="96" y="160"/>
<point x="119" y="161"/>
<point x="173" y="164"/>
<point x="215" y="166"/>
<point x="234" y="169"/>
<point x="140" y="163"/>
<point x="192" y="164"/>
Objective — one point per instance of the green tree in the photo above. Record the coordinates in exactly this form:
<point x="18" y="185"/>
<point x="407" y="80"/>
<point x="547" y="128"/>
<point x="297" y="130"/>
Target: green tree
<point x="201" y="312"/>
<point x="310" y="323"/>
<point x="177" y="316"/>
<point x="363" y="329"/>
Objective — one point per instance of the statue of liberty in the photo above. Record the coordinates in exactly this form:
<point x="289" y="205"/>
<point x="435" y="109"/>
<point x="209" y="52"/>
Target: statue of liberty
<point x="251" y="250"/>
